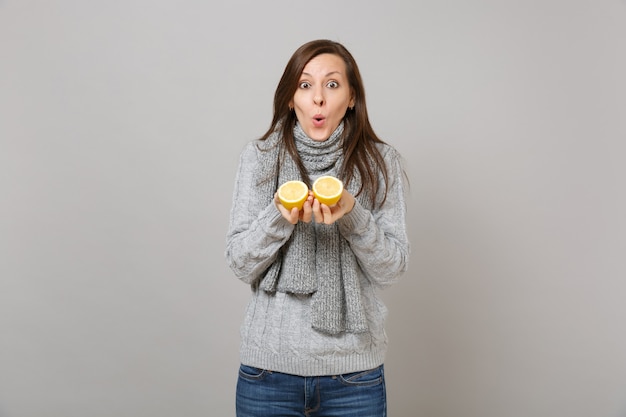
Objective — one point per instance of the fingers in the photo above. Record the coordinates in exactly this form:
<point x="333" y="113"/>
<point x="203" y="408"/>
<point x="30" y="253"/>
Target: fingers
<point x="291" y="216"/>
<point x="294" y="215"/>
<point x="317" y="212"/>
<point x="329" y="216"/>
<point x="313" y="209"/>
<point x="306" y="214"/>
<point x="325" y="214"/>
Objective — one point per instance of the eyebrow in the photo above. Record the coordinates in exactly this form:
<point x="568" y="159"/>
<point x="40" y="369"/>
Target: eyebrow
<point x="327" y="75"/>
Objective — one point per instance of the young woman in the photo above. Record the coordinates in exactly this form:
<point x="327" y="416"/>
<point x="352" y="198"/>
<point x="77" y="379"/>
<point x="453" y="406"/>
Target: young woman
<point x="313" y="341"/>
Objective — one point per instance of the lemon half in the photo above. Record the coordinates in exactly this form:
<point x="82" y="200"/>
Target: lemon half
<point x="293" y="194"/>
<point x="327" y="190"/>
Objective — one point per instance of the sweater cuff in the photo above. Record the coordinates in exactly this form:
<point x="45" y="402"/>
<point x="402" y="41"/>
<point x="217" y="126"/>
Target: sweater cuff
<point x="355" y="221"/>
<point x="274" y="222"/>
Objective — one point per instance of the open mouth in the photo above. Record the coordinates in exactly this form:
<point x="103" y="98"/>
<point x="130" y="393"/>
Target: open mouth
<point x="318" y="120"/>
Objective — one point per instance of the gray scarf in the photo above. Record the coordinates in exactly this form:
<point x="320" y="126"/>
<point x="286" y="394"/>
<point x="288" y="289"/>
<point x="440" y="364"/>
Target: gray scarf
<point x="316" y="260"/>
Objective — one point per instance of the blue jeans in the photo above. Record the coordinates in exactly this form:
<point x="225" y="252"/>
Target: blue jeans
<point x="262" y="393"/>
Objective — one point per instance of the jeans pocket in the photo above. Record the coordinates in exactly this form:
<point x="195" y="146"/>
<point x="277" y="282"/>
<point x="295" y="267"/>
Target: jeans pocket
<point x="367" y="378"/>
<point x="251" y="373"/>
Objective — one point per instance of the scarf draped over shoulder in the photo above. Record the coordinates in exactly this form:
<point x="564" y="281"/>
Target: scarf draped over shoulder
<point x="316" y="260"/>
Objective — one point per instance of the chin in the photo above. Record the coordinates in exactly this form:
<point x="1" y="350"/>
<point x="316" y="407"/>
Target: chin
<point x="320" y="138"/>
<point x="318" y="135"/>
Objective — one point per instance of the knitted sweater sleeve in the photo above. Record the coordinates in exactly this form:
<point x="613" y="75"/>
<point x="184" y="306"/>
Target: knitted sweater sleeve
<point x="256" y="230"/>
<point x="378" y="238"/>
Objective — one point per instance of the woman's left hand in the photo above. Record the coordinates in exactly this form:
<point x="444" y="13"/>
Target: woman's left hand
<point x="329" y="215"/>
<point x="294" y="215"/>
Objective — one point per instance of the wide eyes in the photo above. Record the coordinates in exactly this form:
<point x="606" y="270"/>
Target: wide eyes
<point x="331" y="84"/>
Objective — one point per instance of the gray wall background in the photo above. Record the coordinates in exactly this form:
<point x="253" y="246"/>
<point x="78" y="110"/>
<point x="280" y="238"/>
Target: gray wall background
<point x="121" y="123"/>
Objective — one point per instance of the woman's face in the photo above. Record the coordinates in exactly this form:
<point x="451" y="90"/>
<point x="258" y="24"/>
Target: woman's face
<point x="323" y="96"/>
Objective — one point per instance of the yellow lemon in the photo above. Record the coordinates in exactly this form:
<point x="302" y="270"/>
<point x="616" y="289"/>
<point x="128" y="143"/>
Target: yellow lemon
<point x="327" y="190"/>
<point x="293" y="194"/>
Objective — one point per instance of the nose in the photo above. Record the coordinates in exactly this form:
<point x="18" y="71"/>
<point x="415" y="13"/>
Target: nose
<point x="318" y="98"/>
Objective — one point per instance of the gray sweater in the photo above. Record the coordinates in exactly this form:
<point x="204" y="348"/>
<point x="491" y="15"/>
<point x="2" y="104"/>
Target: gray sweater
<point x="276" y="333"/>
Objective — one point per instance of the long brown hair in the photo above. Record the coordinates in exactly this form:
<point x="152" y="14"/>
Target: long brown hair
<point x="359" y="142"/>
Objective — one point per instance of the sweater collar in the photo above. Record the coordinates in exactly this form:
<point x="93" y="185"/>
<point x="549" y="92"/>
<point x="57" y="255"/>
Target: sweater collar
<point x="319" y="157"/>
<point x="305" y="143"/>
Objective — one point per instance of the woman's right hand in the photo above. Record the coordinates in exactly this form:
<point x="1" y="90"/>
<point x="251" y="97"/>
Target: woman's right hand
<point x="294" y="215"/>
